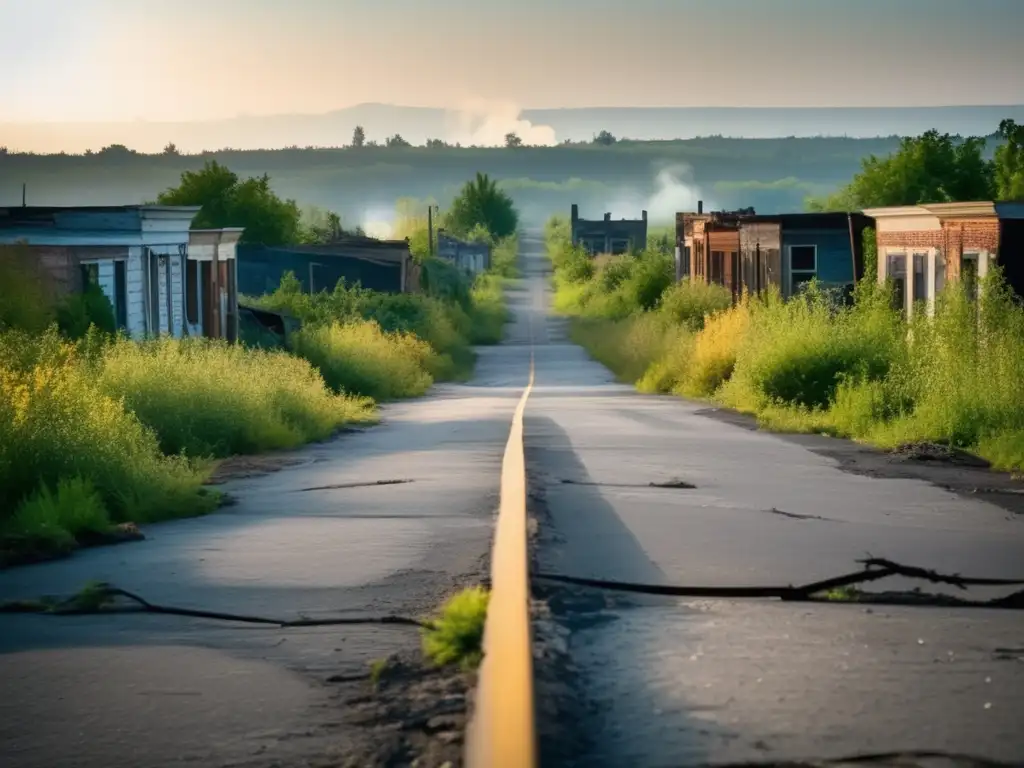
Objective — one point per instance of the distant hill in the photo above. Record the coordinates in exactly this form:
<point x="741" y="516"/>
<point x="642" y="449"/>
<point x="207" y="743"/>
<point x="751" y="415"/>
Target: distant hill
<point x="416" y="124"/>
<point x="363" y="184"/>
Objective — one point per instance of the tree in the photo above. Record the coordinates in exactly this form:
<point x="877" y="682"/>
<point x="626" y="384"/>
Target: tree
<point x="397" y="141"/>
<point x="117" y="150"/>
<point x="1009" y="162"/>
<point x="931" y="168"/>
<point x="512" y="140"/>
<point x="482" y="202"/>
<point x="229" y="202"/>
<point x="171" y="150"/>
<point x="436" y="144"/>
<point x="605" y="139"/>
<point x="319" y="226"/>
<point x="359" y="137"/>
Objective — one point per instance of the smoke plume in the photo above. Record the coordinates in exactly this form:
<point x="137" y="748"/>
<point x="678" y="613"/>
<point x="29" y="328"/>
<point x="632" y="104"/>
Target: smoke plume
<point x="485" y="123"/>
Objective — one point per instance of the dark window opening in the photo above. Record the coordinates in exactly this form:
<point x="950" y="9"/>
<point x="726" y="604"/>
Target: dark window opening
<point x="90" y="275"/>
<point x="803" y="258"/>
<point x="920" y="277"/>
<point x="192" y="291"/>
<point x="897" y="272"/>
<point x="969" y="271"/>
<point x="121" y="294"/>
<point x="718" y="267"/>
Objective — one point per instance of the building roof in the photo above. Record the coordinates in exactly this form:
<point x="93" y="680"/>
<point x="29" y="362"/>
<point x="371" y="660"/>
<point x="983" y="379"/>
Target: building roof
<point x="817" y="220"/>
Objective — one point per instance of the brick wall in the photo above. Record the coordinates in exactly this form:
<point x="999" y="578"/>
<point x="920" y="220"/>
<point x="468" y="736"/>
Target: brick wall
<point x="952" y="240"/>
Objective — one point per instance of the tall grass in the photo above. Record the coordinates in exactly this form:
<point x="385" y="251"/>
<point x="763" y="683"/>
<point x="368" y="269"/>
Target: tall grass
<point x="359" y="357"/>
<point x="810" y="364"/>
<point x="58" y="426"/>
<point x="210" y="398"/>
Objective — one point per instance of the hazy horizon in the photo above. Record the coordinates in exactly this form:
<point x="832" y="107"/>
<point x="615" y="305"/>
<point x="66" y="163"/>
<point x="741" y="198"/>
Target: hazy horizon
<point x="192" y="60"/>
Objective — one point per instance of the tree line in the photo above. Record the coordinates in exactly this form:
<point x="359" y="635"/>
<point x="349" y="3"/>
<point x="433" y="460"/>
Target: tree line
<point x="936" y="168"/>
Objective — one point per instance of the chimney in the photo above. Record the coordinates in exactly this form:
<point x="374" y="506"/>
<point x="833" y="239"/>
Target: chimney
<point x="700" y="207"/>
<point x="575" y="213"/>
<point x="643" y="215"/>
<point x="607" y="217"/>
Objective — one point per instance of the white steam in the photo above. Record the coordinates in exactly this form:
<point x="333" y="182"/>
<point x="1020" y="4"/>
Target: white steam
<point x="674" y="192"/>
<point x="484" y="123"/>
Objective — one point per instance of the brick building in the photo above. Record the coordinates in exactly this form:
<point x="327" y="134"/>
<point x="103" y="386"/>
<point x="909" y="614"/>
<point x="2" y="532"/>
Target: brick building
<point x="922" y="247"/>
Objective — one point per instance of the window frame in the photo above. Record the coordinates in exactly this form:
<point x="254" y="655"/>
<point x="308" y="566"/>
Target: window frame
<point x="802" y="272"/>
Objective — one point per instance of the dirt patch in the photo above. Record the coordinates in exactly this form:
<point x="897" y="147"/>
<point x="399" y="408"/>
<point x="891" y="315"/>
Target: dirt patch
<point x="935" y="452"/>
<point x="240" y="467"/>
<point x="406" y="713"/>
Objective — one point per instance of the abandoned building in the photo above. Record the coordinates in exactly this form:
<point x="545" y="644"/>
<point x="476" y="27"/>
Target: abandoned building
<point x="473" y="258"/>
<point x="708" y="246"/>
<point x="789" y="250"/>
<point x="608" y="235"/>
<point x="153" y="268"/>
<point x="380" y="265"/>
<point x="922" y="247"/>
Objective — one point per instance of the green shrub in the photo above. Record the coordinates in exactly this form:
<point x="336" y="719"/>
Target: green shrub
<point x="688" y="302"/>
<point x="56" y="422"/>
<point x="360" y="358"/>
<point x="26" y="291"/>
<point x="457" y="635"/>
<point x="209" y="398"/>
<point x="77" y="312"/>
<point x="54" y="521"/>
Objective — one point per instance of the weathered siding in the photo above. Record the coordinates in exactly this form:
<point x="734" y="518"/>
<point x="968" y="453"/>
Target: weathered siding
<point x="835" y="259"/>
<point x="136" y="281"/>
<point x="760" y="250"/>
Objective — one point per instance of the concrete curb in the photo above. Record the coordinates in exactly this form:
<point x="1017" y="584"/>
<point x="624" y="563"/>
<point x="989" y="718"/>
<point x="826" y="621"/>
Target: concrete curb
<point x="502" y="732"/>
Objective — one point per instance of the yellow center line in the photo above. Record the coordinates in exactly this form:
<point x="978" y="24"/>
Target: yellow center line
<point x="502" y="733"/>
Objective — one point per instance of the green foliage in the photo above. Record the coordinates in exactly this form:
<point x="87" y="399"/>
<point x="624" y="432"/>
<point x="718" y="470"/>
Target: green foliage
<point x="227" y="201"/>
<point x="1009" y="162"/>
<point x="26" y="291"/>
<point x="931" y="168"/>
<point x="687" y="303"/>
<point x="360" y="358"/>
<point x="358" y="137"/>
<point x="604" y="139"/>
<point x="512" y="140"/>
<point x="57" y="422"/>
<point x="457" y="635"/>
<point x="808" y="364"/>
<point x="77" y="312"/>
<point x="482" y="202"/>
<point x="209" y="398"/>
<point x="396" y="141"/>
<point x="55" y="521"/>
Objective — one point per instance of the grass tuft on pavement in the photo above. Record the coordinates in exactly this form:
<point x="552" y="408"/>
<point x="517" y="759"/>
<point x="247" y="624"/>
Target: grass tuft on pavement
<point x="457" y="635"/>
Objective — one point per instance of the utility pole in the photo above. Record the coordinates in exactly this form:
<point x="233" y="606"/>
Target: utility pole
<point x="430" y="230"/>
<point x="24" y="189"/>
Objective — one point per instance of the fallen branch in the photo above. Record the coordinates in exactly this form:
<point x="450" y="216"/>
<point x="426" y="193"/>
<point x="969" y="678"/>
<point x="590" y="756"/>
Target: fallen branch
<point x="874" y="569"/>
<point x="98" y="598"/>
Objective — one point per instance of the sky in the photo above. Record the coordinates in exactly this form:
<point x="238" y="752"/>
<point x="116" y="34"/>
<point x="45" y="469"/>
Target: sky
<point x="184" y="60"/>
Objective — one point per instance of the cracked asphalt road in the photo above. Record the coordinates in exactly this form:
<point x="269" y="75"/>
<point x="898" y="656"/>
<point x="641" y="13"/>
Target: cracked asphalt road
<point x="136" y="691"/>
<point x="680" y="681"/>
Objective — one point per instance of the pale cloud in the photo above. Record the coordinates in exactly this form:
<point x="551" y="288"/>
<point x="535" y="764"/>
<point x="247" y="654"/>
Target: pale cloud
<point x="483" y="122"/>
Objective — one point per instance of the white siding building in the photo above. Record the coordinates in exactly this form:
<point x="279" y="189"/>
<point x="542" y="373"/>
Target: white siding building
<point x="136" y="254"/>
